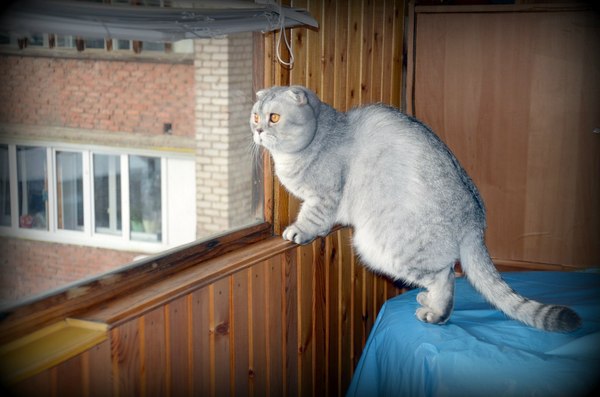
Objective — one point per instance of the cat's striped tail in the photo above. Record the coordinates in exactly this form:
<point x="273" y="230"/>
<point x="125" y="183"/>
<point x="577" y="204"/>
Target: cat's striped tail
<point x="482" y="274"/>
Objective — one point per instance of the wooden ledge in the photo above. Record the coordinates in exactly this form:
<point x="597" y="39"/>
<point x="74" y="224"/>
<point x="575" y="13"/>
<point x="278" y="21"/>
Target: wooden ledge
<point x="45" y="348"/>
<point x="129" y="306"/>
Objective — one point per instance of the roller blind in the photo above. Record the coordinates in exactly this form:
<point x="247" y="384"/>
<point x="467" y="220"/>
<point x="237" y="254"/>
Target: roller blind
<point x="201" y="19"/>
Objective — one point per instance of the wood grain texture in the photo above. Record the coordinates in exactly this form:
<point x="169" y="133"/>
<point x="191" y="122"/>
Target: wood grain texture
<point x="516" y="96"/>
<point x="273" y="319"/>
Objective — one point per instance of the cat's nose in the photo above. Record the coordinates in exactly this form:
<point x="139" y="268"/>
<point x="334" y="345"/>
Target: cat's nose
<point x="259" y="130"/>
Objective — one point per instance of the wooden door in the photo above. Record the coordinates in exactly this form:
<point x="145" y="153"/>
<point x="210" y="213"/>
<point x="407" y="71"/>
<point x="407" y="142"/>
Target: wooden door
<point x="515" y="93"/>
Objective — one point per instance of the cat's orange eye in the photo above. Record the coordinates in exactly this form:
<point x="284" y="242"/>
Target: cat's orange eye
<point x="256" y="118"/>
<point x="274" y="118"/>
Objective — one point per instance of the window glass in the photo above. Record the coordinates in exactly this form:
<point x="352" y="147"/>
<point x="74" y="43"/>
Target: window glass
<point x="4" y="187"/>
<point x="153" y="46"/>
<point x="69" y="190"/>
<point x="107" y="194"/>
<point x="139" y="188"/>
<point x="65" y="41"/>
<point x="94" y="43"/>
<point x="32" y="177"/>
<point x="145" y="198"/>
<point x="123" y="44"/>
<point x="4" y="38"/>
<point x="36" y="40"/>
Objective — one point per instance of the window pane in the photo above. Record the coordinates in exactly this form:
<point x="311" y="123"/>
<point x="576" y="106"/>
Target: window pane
<point x="4" y="38"/>
<point x="4" y="187"/>
<point x="65" y="42"/>
<point x="32" y="176"/>
<point x="153" y="46"/>
<point x="123" y="44"/>
<point x="107" y="194"/>
<point x="145" y="198"/>
<point x="94" y="43"/>
<point x="36" y="40"/>
<point x="69" y="190"/>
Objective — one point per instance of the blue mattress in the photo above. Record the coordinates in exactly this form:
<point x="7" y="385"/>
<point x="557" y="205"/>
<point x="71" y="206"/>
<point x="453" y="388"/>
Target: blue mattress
<point x="480" y="352"/>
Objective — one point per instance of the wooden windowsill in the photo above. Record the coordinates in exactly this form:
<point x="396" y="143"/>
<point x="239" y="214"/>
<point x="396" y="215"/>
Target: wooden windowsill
<point x="129" y="306"/>
<point x="42" y="349"/>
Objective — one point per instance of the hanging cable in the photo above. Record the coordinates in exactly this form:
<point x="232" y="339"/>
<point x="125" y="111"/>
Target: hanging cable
<point x="288" y="44"/>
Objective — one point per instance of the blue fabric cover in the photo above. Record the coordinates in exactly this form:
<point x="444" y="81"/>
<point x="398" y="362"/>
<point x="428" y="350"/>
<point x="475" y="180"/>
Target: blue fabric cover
<point x="480" y="352"/>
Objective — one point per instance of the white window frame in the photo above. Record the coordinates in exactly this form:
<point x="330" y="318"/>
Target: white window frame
<point x="88" y="236"/>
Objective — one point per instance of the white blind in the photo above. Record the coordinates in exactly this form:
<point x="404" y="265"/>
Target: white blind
<point x="99" y="20"/>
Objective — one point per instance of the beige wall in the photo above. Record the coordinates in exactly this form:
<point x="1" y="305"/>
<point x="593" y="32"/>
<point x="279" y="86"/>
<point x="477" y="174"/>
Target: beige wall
<point x="223" y="70"/>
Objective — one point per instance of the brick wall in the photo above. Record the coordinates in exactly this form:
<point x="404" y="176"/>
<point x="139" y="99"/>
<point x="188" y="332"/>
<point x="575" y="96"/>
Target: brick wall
<point x="28" y="267"/>
<point x="207" y="101"/>
<point x="116" y="96"/>
<point x="87" y="96"/>
<point x="223" y="68"/>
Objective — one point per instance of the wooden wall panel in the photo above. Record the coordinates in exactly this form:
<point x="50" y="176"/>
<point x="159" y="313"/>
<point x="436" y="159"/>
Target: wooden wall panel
<point x="516" y="96"/>
<point x="295" y="323"/>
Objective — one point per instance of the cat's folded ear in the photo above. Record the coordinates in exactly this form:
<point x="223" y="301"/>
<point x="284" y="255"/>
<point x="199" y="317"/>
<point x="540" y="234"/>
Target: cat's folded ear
<point x="298" y="95"/>
<point x="261" y="93"/>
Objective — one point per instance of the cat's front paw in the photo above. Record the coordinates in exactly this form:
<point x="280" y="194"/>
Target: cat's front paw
<point x="297" y="235"/>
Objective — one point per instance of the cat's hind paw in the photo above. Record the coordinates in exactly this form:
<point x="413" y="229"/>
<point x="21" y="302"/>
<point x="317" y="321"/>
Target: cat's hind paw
<point x="297" y="235"/>
<point x="427" y="315"/>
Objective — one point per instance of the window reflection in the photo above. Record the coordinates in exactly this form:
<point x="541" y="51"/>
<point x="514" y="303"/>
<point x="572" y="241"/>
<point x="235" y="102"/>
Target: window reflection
<point x="32" y="174"/>
<point x="145" y="198"/>
<point x="107" y="194"/>
<point x="69" y="190"/>
<point x="5" y="219"/>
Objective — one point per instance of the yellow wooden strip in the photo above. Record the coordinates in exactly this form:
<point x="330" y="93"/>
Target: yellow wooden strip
<point x="47" y="347"/>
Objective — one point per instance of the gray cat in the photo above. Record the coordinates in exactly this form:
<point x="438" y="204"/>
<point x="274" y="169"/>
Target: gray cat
<point x="414" y="210"/>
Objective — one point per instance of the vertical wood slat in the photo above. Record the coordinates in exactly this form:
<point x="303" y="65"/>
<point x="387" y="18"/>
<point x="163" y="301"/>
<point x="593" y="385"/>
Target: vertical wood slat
<point x="154" y="357"/>
<point x="201" y="342"/>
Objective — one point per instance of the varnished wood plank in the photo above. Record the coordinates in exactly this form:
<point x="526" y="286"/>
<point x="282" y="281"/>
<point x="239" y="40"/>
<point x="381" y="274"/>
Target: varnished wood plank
<point x="40" y="385"/>
<point x="387" y="45"/>
<point x="275" y="325"/>
<point x="367" y="73"/>
<point x="299" y="38"/>
<point x="126" y="359"/>
<point x="259" y="330"/>
<point x="305" y="275"/>
<point x="378" y="73"/>
<point x="323" y="70"/>
<point x="70" y="378"/>
<point x="338" y="12"/>
<point x="156" y="365"/>
<point x="317" y="67"/>
<point x="178" y="324"/>
<point x="359" y="310"/>
<point x="220" y="343"/>
<point x="346" y="309"/>
<point x="396" y="65"/>
<point x="98" y="369"/>
<point x="240" y="327"/>
<point x="334" y="339"/>
<point x="319" y="318"/>
<point x="355" y="54"/>
<point x="201" y="342"/>
<point x="291" y="322"/>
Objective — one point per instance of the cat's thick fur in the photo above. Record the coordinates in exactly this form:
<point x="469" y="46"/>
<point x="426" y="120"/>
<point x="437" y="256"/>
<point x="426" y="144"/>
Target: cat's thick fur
<point x="414" y="210"/>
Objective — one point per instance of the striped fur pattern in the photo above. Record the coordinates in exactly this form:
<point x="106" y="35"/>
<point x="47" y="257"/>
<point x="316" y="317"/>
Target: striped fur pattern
<point x="414" y="210"/>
